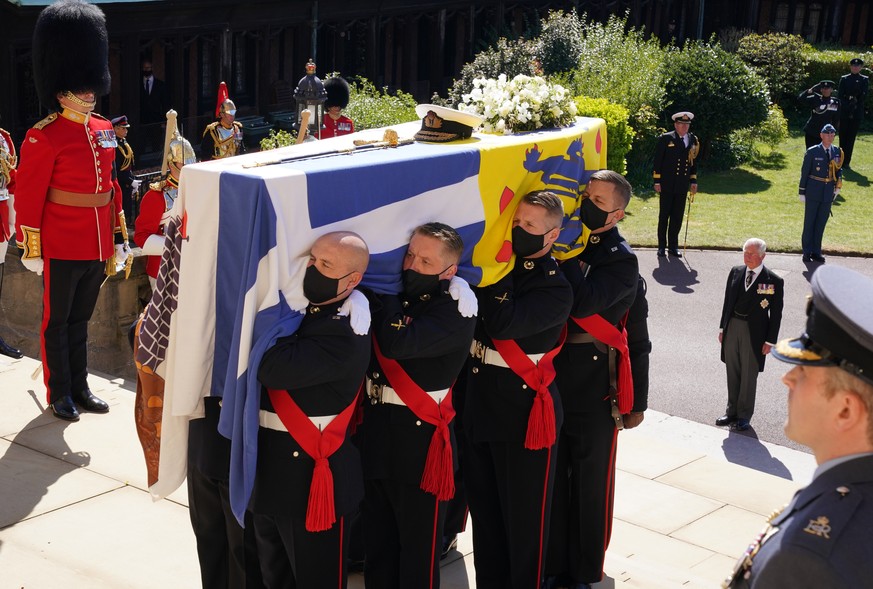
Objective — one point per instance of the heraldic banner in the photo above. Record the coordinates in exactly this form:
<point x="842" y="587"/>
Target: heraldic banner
<point x="249" y="223"/>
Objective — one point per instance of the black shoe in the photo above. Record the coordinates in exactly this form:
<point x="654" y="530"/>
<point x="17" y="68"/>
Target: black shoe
<point x="662" y="254"/>
<point x="742" y="425"/>
<point x="89" y="402"/>
<point x="807" y="258"/>
<point x="64" y="408"/>
<point x="675" y="253"/>
<point x="7" y="350"/>
<point x="726" y="420"/>
<point x="449" y="543"/>
<point x="818" y="258"/>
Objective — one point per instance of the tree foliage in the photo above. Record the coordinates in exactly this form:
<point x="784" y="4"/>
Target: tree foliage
<point x="371" y="108"/>
<point x="619" y="134"/>
<point x="506" y="57"/>
<point x="718" y="87"/>
<point x="560" y="43"/>
<point x="780" y="59"/>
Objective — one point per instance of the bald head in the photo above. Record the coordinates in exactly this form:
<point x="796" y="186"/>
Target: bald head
<point x="340" y="255"/>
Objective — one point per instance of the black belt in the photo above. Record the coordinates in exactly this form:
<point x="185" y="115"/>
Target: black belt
<point x="736" y="315"/>
<point x="580" y="338"/>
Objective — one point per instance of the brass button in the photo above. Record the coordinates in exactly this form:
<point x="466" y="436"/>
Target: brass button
<point x="524" y="386"/>
<point x="528" y="265"/>
<point x="594" y="357"/>
<point x="376" y="375"/>
<point x="219" y="402"/>
<point x="417" y="422"/>
<point x="296" y="454"/>
<point x="475" y="370"/>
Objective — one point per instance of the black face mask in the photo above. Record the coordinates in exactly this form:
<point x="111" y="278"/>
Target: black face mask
<point x="318" y="288"/>
<point x="146" y="73"/>
<point x="592" y="216"/>
<point x="416" y="284"/>
<point x="526" y="244"/>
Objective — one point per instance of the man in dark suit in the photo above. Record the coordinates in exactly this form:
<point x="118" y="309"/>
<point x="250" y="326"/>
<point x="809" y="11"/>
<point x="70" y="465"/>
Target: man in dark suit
<point x="154" y="102"/>
<point x="821" y="178"/>
<point x="749" y="325"/>
<point x="822" y="538"/>
<point x="853" y="93"/>
<point x="675" y="174"/>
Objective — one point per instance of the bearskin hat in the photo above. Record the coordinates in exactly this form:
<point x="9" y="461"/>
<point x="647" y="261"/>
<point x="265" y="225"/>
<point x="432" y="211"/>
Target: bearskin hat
<point x="70" y="51"/>
<point x="337" y="92"/>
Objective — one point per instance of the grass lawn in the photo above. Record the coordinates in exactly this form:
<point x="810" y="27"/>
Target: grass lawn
<point x="760" y="200"/>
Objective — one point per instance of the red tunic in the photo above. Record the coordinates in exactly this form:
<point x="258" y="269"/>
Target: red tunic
<point x="152" y="217"/>
<point x="335" y="128"/>
<point x="8" y="147"/>
<point x="73" y="154"/>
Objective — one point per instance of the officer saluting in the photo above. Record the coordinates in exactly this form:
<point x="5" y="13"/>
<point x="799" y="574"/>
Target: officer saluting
<point x="825" y="109"/>
<point x="822" y="538"/>
<point x="68" y="205"/>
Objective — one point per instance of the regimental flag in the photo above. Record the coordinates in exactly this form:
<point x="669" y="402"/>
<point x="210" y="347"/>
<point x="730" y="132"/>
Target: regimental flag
<point x="250" y="228"/>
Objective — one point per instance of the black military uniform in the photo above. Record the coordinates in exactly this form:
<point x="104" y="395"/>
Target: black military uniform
<point x="822" y="538"/>
<point x="320" y="367"/>
<point x="124" y="162"/>
<point x="605" y="281"/>
<point x="853" y="94"/>
<point x="509" y="487"/>
<point x="823" y="111"/>
<point x="675" y="169"/>
<point x="403" y="524"/>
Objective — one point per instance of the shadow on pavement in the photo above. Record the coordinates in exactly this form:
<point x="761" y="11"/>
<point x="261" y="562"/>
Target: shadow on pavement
<point x="811" y="267"/>
<point x="746" y="450"/>
<point x="675" y="273"/>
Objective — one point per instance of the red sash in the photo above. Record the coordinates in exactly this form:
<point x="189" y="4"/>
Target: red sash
<point x="438" y="477"/>
<point x="541" y="429"/>
<point x="319" y="445"/>
<point x="609" y="334"/>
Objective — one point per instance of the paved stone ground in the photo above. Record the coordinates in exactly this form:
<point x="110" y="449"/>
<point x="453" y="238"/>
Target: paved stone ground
<point x="75" y="512"/>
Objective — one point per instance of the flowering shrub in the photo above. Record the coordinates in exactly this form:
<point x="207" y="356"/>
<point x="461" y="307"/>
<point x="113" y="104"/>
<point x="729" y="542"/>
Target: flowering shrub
<point x="524" y="103"/>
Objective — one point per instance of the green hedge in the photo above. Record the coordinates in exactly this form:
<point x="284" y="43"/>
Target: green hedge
<point x="779" y="58"/>
<point x="832" y="64"/>
<point x="619" y="134"/>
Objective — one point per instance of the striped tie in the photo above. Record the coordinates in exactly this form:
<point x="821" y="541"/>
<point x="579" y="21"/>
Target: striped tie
<point x="749" y="279"/>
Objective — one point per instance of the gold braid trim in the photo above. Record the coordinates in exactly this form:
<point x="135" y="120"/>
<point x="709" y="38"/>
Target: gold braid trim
<point x="32" y="245"/>
<point x="785" y="349"/>
<point x="693" y="151"/>
<point x="123" y="228"/>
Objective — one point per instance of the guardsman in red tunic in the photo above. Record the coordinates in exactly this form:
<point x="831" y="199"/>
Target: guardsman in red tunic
<point x="69" y="220"/>
<point x="335" y="123"/>
<point x="157" y="204"/>
<point x="7" y="189"/>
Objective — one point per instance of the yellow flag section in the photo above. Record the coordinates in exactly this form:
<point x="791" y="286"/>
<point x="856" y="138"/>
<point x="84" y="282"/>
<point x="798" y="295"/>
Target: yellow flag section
<point x="558" y="160"/>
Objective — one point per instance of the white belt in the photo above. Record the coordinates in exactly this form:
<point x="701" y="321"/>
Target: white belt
<point x="4" y="194"/>
<point x="270" y="420"/>
<point x="385" y="394"/>
<point x="493" y="357"/>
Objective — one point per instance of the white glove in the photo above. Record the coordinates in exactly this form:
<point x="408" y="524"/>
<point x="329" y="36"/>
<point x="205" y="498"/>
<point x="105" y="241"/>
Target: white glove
<point x="134" y="185"/>
<point x="122" y="250"/>
<point x="357" y="307"/>
<point x="34" y="265"/>
<point x="468" y="305"/>
<point x="802" y="197"/>
<point x="836" y="192"/>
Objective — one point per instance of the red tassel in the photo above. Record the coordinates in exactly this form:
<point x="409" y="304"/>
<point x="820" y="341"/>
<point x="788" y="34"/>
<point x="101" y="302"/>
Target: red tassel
<point x="358" y="414"/>
<point x="438" y="477"/>
<point x="625" y="388"/>
<point x="541" y="421"/>
<point x="320" y="513"/>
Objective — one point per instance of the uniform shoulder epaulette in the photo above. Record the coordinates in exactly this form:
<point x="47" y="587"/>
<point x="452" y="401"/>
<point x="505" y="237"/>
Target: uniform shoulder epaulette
<point x="238" y="124"/>
<point x="46" y="121"/>
<point x="210" y="127"/>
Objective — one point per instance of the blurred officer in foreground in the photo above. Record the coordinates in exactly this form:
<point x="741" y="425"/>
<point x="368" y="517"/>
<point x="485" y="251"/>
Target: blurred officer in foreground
<point x="824" y="109"/>
<point x="69" y="219"/>
<point x="822" y="538"/>
<point x="821" y="178"/>
<point x="853" y="93"/>
<point x="124" y="163"/>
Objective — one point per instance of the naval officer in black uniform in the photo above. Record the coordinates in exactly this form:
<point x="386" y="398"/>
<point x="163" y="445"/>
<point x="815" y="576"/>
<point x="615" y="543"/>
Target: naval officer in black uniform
<point x="421" y="341"/>
<point x="605" y="279"/>
<point x="822" y="538"/>
<point x="511" y="421"/>
<point x="853" y="90"/>
<point x="675" y="175"/>
<point x="824" y="110"/>
<point x="308" y="476"/>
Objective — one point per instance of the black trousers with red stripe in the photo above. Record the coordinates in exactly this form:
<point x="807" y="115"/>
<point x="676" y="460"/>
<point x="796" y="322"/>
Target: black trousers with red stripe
<point x="583" y="496"/>
<point x="71" y="288"/>
<point x="292" y="558"/>
<point x="403" y="531"/>
<point x="510" y="492"/>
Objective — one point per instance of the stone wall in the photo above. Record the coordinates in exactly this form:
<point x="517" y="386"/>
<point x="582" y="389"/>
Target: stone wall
<point x="118" y="306"/>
